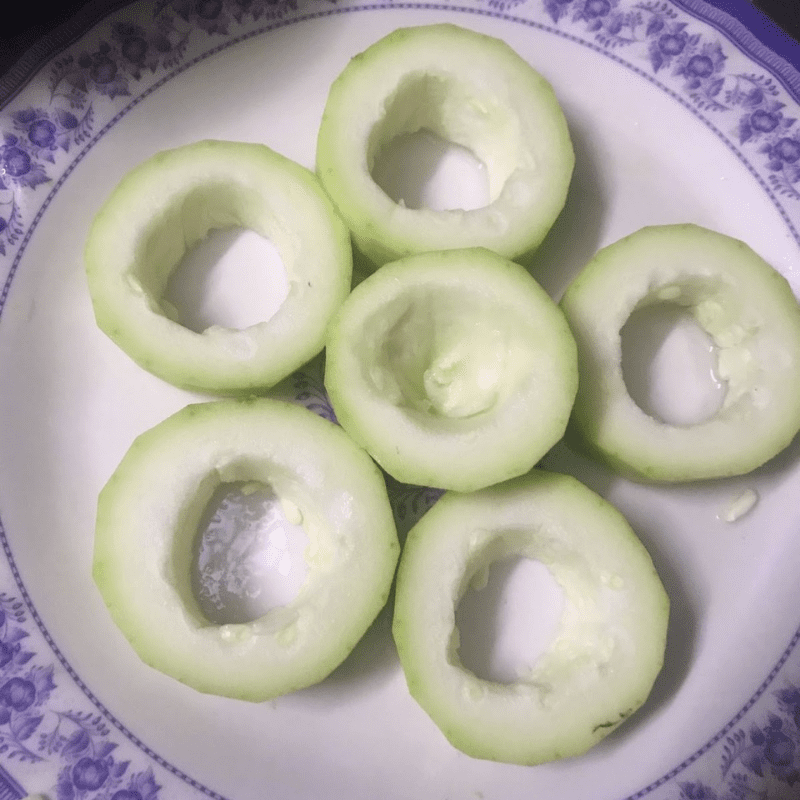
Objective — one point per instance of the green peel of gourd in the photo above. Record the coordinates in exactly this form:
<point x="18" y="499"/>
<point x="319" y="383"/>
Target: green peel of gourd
<point x="165" y="206"/>
<point x="607" y="651"/>
<point x="453" y="369"/>
<point x="147" y="520"/>
<point x="751" y="315"/>
<point x="469" y="89"/>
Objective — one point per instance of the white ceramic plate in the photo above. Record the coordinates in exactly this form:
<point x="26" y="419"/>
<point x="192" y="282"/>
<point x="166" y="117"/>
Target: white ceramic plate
<point x="677" y="115"/>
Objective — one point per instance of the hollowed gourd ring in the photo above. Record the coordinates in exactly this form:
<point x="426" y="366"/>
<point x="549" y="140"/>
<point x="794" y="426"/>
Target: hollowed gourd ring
<point x="147" y="522"/>
<point x="170" y="202"/>
<point x="611" y="639"/>
<point x="469" y="89"/>
<point x="751" y="315"/>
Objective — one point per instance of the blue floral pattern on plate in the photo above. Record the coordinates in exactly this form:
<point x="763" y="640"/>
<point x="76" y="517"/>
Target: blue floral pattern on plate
<point x="49" y="719"/>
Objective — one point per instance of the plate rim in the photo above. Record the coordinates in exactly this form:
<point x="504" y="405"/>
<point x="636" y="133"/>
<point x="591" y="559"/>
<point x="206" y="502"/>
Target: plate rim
<point x="737" y="33"/>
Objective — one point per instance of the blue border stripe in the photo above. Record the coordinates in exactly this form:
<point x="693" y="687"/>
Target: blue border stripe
<point x="755" y="35"/>
<point x="9" y="788"/>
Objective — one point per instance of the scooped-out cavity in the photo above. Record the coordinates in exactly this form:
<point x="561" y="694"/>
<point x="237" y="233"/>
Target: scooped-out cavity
<point x="248" y="555"/>
<point x="422" y="170"/>
<point x="442" y="145"/>
<point x="508" y="616"/>
<point x="669" y="364"/>
<point x="232" y="278"/>
<point x="439" y="351"/>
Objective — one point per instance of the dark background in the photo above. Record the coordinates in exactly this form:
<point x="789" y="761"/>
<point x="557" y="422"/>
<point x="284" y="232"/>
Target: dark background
<point x="785" y="12"/>
<point x="30" y="22"/>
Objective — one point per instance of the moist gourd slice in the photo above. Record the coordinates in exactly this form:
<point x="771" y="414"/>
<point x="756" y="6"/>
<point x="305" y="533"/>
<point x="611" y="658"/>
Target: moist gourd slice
<point x="147" y="521"/>
<point x="751" y="315"/>
<point x="453" y="369"/>
<point x="607" y="651"/>
<point x="168" y="204"/>
<point x="469" y="89"/>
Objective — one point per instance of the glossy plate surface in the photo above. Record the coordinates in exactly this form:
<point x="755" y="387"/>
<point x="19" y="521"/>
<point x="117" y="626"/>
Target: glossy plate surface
<point x="677" y="115"/>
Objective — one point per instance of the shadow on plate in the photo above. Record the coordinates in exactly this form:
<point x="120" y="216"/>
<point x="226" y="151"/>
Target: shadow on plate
<point x="576" y="234"/>
<point x="372" y="662"/>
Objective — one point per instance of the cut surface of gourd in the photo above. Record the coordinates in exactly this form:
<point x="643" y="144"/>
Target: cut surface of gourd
<point x="748" y="311"/>
<point x="452" y="369"/>
<point x="466" y="88"/>
<point x="611" y="638"/>
<point x="147" y="522"/>
<point x="165" y="206"/>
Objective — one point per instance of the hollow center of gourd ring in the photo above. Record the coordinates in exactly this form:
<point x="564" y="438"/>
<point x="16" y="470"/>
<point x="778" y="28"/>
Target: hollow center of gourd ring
<point x="248" y="554"/>
<point x="668" y="363"/>
<point x="423" y="170"/>
<point x="232" y="278"/>
<point x="509" y="622"/>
